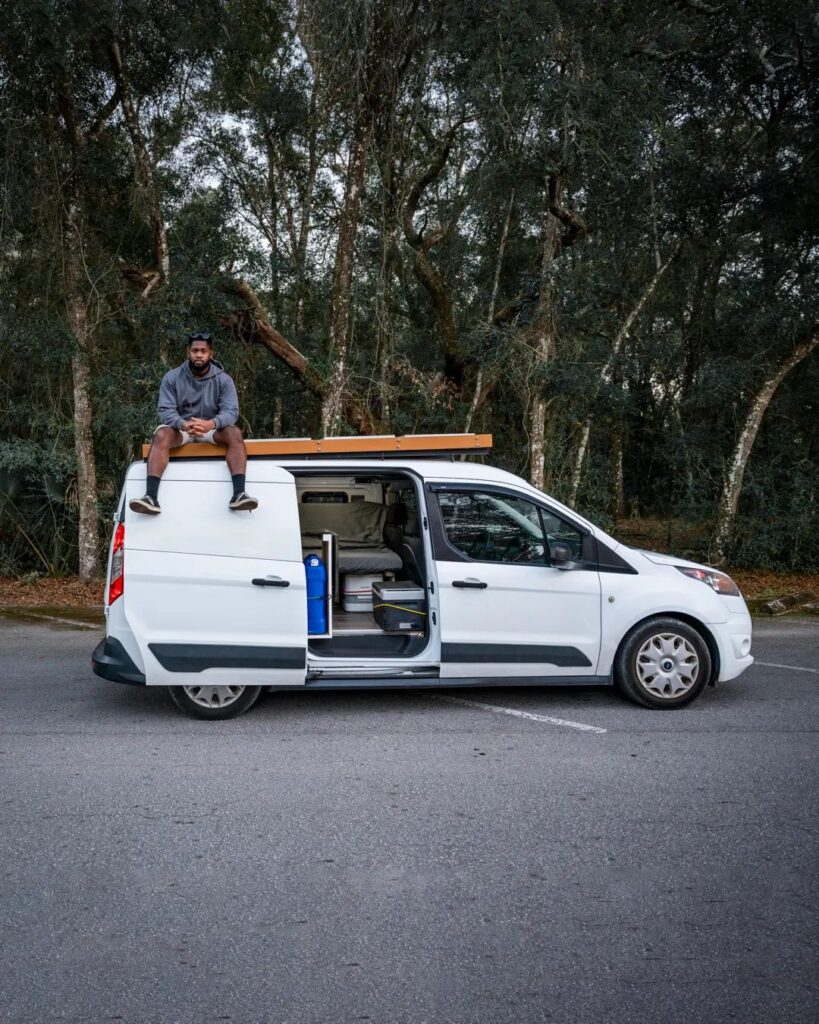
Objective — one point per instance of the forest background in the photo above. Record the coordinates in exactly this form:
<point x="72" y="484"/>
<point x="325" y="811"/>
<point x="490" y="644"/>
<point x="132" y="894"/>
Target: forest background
<point x="589" y="228"/>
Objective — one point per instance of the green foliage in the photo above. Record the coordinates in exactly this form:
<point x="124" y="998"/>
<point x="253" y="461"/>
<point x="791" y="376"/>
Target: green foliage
<point x="37" y="514"/>
<point x="648" y="124"/>
<point x="779" y="530"/>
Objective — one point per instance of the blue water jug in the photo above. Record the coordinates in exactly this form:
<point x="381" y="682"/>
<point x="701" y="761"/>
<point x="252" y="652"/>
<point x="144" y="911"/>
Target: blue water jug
<point x="316" y="575"/>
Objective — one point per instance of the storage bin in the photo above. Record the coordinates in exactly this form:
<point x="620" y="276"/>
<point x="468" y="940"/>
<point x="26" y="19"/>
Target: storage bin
<point x="357" y="592"/>
<point x="399" y="606"/>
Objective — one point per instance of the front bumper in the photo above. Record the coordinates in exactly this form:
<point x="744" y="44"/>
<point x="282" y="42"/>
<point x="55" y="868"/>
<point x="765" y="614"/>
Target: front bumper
<point x="733" y="639"/>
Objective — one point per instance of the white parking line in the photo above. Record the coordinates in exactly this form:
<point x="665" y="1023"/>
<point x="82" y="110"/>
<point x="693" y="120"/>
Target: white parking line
<point x="518" y="714"/>
<point x="793" y="668"/>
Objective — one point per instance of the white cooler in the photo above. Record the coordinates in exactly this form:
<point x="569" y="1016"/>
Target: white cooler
<point x="357" y="592"/>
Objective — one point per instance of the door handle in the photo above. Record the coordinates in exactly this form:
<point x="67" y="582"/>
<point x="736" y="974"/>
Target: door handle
<point x="471" y="584"/>
<point x="270" y="581"/>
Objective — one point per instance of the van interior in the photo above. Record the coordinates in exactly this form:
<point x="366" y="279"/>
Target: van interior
<point x="377" y="576"/>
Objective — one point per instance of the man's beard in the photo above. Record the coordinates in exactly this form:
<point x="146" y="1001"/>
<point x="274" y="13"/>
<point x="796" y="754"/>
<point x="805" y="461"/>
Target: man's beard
<point x="198" y="369"/>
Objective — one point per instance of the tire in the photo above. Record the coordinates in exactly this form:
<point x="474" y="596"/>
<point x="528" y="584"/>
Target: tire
<point x="663" y="663"/>
<point x="214" y="702"/>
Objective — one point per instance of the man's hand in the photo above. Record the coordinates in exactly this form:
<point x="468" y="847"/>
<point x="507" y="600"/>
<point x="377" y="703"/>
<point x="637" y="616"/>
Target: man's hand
<point x="198" y="428"/>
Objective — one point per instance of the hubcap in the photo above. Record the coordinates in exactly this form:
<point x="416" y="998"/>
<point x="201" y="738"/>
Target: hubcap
<point x="214" y="696"/>
<point x="667" y="665"/>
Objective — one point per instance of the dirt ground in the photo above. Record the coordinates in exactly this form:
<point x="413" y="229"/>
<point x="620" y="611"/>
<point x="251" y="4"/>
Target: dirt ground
<point x="67" y="592"/>
<point x="72" y="592"/>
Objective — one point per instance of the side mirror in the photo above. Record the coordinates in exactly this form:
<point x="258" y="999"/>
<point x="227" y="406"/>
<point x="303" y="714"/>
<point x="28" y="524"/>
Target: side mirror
<point x="561" y="556"/>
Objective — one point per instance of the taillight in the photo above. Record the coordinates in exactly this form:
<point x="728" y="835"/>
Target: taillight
<point x="116" y="584"/>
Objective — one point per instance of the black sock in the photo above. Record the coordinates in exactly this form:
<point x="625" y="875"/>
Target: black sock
<point x="238" y="483"/>
<point x="152" y="489"/>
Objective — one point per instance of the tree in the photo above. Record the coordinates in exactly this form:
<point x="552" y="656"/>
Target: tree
<point x="413" y="218"/>
<point x="732" y="486"/>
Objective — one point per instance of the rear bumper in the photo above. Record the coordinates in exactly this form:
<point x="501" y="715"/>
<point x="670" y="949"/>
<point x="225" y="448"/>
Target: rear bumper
<point x="111" y="661"/>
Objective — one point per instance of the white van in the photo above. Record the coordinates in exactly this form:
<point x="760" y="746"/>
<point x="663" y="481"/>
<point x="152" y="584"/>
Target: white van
<point x="507" y="586"/>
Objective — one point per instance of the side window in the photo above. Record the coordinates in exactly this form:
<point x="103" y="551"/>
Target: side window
<point x="559" y="531"/>
<point x="493" y="527"/>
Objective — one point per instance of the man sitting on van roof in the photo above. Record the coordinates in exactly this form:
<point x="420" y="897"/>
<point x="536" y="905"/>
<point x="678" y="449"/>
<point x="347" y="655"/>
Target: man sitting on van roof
<point x="197" y="402"/>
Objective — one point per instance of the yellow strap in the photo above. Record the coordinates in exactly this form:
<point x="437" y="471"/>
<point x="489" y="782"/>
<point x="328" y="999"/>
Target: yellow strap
<point x="399" y="608"/>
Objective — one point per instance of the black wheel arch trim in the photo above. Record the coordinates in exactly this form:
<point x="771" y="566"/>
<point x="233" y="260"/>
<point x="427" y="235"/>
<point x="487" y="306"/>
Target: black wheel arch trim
<point x="707" y="637"/>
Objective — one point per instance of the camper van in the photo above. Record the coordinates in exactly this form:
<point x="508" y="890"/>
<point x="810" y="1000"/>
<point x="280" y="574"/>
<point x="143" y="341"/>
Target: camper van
<point x="424" y="569"/>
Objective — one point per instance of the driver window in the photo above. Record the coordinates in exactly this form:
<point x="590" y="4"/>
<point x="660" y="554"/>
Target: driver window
<point x="493" y="527"/>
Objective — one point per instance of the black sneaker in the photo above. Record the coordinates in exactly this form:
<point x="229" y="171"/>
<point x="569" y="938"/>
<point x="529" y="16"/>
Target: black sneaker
<point x="148" y="506"/>
<point x="242" y="502"/>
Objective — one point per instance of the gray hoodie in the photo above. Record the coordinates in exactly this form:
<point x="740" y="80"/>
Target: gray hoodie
<point x="212" y="397"/>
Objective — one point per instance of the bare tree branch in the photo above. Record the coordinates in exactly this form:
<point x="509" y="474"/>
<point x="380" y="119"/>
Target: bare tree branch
<point x="252" y="324"/>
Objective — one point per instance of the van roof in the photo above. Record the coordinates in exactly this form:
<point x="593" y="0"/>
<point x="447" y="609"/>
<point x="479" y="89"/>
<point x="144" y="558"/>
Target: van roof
<point x="432" y="470"/>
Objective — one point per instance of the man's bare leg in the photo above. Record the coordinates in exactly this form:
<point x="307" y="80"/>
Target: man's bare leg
<point x="236" y="458"/>
<point x="164" y="439"/>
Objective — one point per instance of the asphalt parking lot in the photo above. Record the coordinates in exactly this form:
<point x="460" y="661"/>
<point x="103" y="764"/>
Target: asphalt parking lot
<point x="398" y="858"/>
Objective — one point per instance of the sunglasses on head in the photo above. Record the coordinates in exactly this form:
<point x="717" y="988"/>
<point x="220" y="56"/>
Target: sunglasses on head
<point x="199" y="336"/>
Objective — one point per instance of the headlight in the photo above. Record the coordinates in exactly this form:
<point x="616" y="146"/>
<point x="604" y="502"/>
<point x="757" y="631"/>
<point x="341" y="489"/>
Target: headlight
<point x="717" y="581"/>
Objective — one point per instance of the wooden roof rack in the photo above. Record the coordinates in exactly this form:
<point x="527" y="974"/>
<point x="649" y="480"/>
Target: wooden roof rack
<point x="378" y="446"/>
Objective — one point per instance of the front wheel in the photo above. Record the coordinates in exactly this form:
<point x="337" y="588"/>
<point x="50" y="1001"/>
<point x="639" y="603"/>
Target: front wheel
<point x="214" y="702"/>
<point x="663" y="663"/>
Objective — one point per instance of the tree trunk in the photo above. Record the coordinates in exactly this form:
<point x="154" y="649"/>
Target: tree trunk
<point x="617" y="492"/>
<point x="732" y="486"/>
<point x="543" y="343"/>
<point x="77" y="320"/>
<point x="425" y="271"/>
<point x="618" y="498"/>
<point x="543" y="332"/>
<point x="473" y="405"/>
<point x="300" y="290"/>
<point x="273" y="202"/>
<point x="434" y="284"/>
<point x="480" y="390"/>
<point x="608" y="366"/>
<point x="332" y="406"/>
<point x="88" y="542"/>
<point x="384" y="325"/>
<point x="537" y="436"/>
<point x="77" y="315"/>
<point x="577" y="471"/>
<point x="144" y="168"/>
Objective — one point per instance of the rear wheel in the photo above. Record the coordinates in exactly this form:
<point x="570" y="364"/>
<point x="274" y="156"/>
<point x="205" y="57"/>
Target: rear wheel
<point x="663" y="663"/>
<point x="215" y="702"/>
